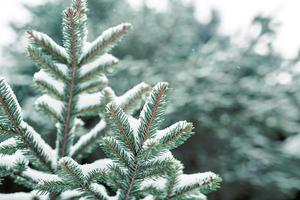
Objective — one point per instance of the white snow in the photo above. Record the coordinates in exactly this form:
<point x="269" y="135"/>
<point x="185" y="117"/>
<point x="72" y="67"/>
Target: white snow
<point x="78" y="122"/>
<point x="54" y="104"/>
<point x="22" y="196"/>
<point x="164" y="132"/>
<point x="133" y="92"/>
<point x="165" y="155"/>
<point x="205" y="178"/>
<point x="10" y="160"/>
<point x="99" y="189"/>
<point x="70" y="194"/>
<point x="159" y="183"/>
<point x="161" y="133"/>
<point x="63" y="68"/>
<point x="111" y="31"/>
<point x="89" y="100"/>
<point x="101" y="164"/>
<point x="10" y="142"/>
<point x="39" y="175"/>
<point x="16" y="196"/>
<point x="44" y="77"/>
<point x="87" y="46"/>
<point x="149" y="197"/>
<point x="98" y="64"/>
<point x="184" y="180"/>
<point x="134" y="124"/>
<point x="108" y="94"/>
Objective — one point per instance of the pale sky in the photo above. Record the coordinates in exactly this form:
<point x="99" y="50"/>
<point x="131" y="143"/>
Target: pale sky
<point x="236" y="16"/>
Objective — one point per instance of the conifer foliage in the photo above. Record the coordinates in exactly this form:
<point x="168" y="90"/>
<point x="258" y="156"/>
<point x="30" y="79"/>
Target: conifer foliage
<point x="73" y="82"/>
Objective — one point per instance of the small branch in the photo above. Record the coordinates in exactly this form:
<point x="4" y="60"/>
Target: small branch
<point x="153" y="116"/>
<point x="42" y="44"/>
<point x="116" y="153"/>
<point x="122" y="130"/>
<point x="41" y="62"/>
<point x="133" y="179"/>
<point x="66" y="130"/>
<point x="21" y="134"/>
<point x="104" y="45"/>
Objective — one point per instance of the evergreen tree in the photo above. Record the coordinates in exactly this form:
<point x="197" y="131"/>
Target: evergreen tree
<point x="247" y="120"/>
<point x="72" y="78"/>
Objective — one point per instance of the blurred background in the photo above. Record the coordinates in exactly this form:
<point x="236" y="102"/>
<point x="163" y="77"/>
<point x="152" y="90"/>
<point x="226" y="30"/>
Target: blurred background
<point x="234" y="68"/>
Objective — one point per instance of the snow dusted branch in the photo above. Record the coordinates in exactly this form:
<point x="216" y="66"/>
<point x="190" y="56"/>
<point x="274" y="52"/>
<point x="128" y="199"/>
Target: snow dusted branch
<point x="34" y="146"/>
<point x="73" y="82"/>
<point x="104" y="42"/>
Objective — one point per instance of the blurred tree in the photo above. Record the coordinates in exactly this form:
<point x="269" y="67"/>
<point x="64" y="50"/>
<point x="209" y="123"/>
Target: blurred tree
<point x="245" y="110"/>
<point x="246" y="114"/>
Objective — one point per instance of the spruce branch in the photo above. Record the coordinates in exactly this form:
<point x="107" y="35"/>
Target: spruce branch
<point x="132" y="181"/>
<point x="53" y="186"/>
<point x="143" y="152"/>
<point x="71" y="172"/>
<point x="116" y="152"/>
<point x="104" y="42"/>
<point x="5" y="129"/>
<point x="124" y="137"/>
<point x="73" y="176"/>
<point x="48" y="46"/>
<point x="152" y="113"/>
<point x="115" y="176"/>
<point x="158" y="168"/>
<point x="46" y="63"/>
<point x="72" y="35"/>
<point x="16" y="165"/>
<point x="204" y="182"/>
<point x="103" y="64"/>
<point x="49" y="85"/>
<point x="99" y="83"/>
<point x="131" y="100"/>
<point x="34" y="146"/>
<point x="175" y="135"/>
<point x="72" y="44"/>
<point x="119" y="122"/>
<point x="80" y="8"/>
<point x="172" y="181"/>
<point x="8" y="146"/>
<point x="10" y="106"/>
<point x="51" y="106"/>
<point x="156" y="164"/>
<point x="96" y="175"/>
